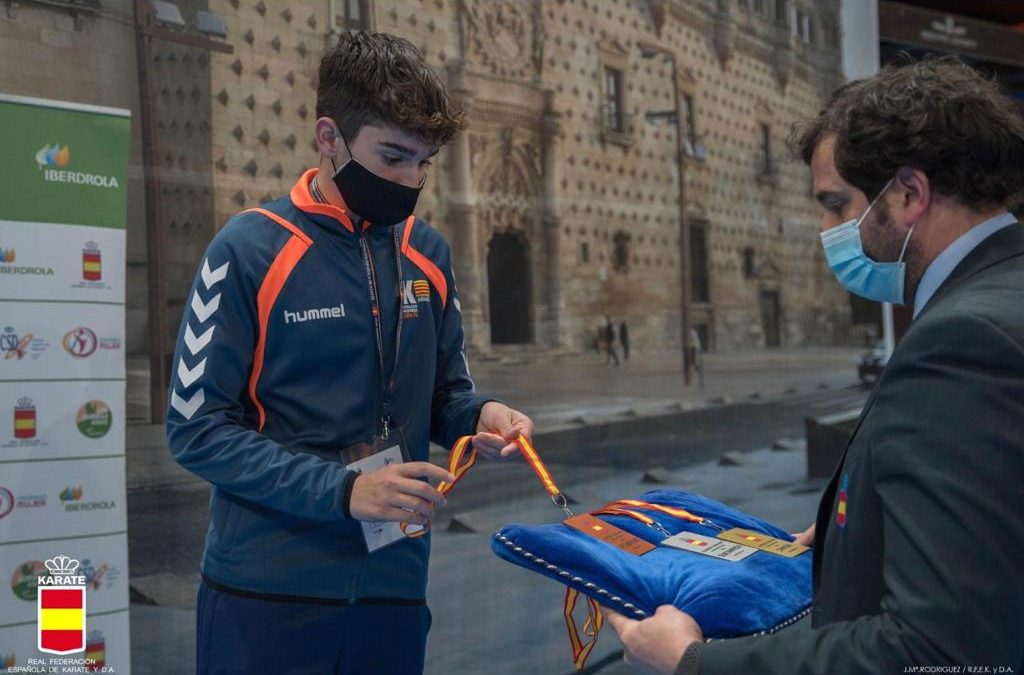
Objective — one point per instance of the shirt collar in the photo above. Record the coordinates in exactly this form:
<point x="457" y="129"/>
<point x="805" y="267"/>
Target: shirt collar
<point x="944" y="264"/>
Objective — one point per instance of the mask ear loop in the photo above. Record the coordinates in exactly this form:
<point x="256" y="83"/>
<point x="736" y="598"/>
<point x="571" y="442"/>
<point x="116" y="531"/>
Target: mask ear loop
<point x="334" y="166"/>
<point x="905" y="242"/>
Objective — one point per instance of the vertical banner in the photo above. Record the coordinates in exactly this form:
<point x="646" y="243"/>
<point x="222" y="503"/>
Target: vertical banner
<point x="63" y="538"/>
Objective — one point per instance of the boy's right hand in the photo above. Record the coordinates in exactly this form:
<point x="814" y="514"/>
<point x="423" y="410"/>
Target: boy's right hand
<point x="395" y="493"/>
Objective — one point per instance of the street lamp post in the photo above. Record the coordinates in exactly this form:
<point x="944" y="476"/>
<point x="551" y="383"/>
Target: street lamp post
<point x="148" y="27"/>
<point x="649" y="51"/>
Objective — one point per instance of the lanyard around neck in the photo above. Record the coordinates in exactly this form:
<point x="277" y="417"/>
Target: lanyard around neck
<point x="387" y="383"/>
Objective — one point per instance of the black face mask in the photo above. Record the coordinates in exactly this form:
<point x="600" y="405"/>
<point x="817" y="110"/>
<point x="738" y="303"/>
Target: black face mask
<point x="376" y="199"/>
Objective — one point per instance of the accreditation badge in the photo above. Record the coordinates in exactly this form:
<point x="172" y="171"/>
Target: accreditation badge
<point x="367" y="457"/>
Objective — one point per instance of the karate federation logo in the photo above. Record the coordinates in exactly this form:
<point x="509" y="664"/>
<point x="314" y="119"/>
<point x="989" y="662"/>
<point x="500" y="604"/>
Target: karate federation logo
<point x="61" y="603"/>
<point x="841" y="509"/>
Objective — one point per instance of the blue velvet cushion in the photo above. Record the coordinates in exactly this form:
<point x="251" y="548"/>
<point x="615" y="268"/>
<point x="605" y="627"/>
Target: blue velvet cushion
<point x="759" y="594"/>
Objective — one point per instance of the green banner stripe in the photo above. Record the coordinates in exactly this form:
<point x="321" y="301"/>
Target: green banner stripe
<point x="63" y="165"/>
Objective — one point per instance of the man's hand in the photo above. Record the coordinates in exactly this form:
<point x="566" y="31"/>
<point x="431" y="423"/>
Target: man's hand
<point x="805" y="538"/>
<point x="655" y="645"/>
<point x="394" y="492"/>
<point x="499" y="425"/>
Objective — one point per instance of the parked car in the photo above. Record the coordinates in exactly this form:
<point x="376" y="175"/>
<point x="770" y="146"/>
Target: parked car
<point x="872" y="363"/>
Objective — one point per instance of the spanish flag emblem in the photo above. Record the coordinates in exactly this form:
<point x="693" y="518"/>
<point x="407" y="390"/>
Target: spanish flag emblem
<point x="841" y="509"/>
<point x="62" y="619"/>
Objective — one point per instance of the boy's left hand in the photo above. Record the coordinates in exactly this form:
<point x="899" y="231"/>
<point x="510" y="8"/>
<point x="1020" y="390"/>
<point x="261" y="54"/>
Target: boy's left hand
<point x="499" y="425"/>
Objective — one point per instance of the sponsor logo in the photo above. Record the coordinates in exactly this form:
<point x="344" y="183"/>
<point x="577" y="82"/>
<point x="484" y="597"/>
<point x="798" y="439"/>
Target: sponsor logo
<point x="25" y="418"/>
<point x="61" y="607"/>
<point x="92" y="263"/>
<point x="299" y="316"/>
<point x="80" y="342"/>
<point x="414" y="291"/>
<point x="94" y="419"/>
<point x="95" y="651"/>
<point x="7" y="266"/>
<point x="31" y="501"/>
<point x="99" y="576"/>
<point x="18" y="347"/>
<point x="10" y="501"/>
<point x="26" y="426"/>
<point x="25" y="579"/>
<point x="9" y="661"/>
<point x="52" y="158"/>
<point x="7" y="501"/>
<point x="92" y="268"/>
<point x="71" y="498"/>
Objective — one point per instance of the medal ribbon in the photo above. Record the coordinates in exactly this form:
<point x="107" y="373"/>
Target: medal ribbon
<point x="591" y="629"/>
<point x="459" y="462"/>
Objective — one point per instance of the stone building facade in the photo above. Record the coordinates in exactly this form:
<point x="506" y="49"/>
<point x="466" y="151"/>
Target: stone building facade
<point x="561" y="201"/>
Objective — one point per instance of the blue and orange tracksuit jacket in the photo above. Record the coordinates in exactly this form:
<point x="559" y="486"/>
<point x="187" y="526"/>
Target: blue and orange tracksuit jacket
<point x="276" y="370"/>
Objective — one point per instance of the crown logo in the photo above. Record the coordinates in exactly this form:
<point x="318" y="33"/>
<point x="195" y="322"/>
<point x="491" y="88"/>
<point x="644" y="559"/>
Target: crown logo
<point x="91" y="246"/>
<point x="25" y="402"/>
<point x="62" y="566"/>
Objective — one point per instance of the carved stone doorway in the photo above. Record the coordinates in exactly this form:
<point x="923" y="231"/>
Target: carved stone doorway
<point x="508" y="283"/>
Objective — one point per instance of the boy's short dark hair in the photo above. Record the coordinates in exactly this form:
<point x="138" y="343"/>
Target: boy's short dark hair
<point x="375" y="78"/>
<point x="938" y="115"/>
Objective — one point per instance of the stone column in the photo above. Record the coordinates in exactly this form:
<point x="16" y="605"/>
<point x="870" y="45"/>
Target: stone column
<point x="550" y="126"/>
<point x="460" y="207"/>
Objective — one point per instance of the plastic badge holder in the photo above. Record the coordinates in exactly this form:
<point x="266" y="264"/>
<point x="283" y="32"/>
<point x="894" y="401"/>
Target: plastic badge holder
<point x="759" y="594"/>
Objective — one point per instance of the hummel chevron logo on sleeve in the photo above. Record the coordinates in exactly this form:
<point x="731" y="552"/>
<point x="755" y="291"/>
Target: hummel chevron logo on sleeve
<point x="189" y="375"/>
<point x="196" y="344"/>
<point x="187" y="408"/>
<point x="204" y="311"/>
<point x="211" y="277"/>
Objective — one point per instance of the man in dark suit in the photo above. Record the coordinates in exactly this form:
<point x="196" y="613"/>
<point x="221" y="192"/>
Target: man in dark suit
<point x="919" y="534"/>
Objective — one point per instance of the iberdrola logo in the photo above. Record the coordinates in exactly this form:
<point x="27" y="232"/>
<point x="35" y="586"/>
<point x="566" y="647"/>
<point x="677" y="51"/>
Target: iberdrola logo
<point x="53" y="155"/>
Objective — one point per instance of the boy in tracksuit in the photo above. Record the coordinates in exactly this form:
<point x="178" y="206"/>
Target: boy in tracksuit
<point x="323" y="327"/>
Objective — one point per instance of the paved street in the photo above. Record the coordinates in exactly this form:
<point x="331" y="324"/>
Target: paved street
<point x="490" y="616"/>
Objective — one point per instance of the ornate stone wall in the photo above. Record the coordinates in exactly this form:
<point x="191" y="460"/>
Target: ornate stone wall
<point x="594" y="210"/>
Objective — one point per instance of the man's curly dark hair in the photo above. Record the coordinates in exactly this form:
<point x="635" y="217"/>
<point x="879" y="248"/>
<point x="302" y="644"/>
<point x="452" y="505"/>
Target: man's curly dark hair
<point x="938" y="115"/>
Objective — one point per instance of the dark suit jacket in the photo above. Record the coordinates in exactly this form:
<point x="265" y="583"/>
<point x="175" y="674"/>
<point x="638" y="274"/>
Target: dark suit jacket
<point x="927" y="568"/>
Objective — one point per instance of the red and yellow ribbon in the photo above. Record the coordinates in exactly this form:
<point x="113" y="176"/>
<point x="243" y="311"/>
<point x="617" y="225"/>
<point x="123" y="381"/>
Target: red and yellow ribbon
<point x="661" y="508"/>
<point x="591" y="629"/>
<point x="460" y="461"/>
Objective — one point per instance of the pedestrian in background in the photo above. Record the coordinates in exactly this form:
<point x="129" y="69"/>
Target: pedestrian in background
<point x="624" y="339"/>
<point x="609" y="340"/>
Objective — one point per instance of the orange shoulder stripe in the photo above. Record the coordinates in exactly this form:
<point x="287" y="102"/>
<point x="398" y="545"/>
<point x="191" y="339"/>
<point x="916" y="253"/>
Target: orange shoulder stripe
<point x="425" y="264"/>
<point x="283" y="223"/>
<point x="287" y="258"/>
<point x="432" y="271"/>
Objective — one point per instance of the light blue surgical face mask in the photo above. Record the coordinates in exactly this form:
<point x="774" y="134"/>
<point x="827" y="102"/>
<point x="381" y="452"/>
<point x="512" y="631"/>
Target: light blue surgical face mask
<point x="859" y="274"/>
